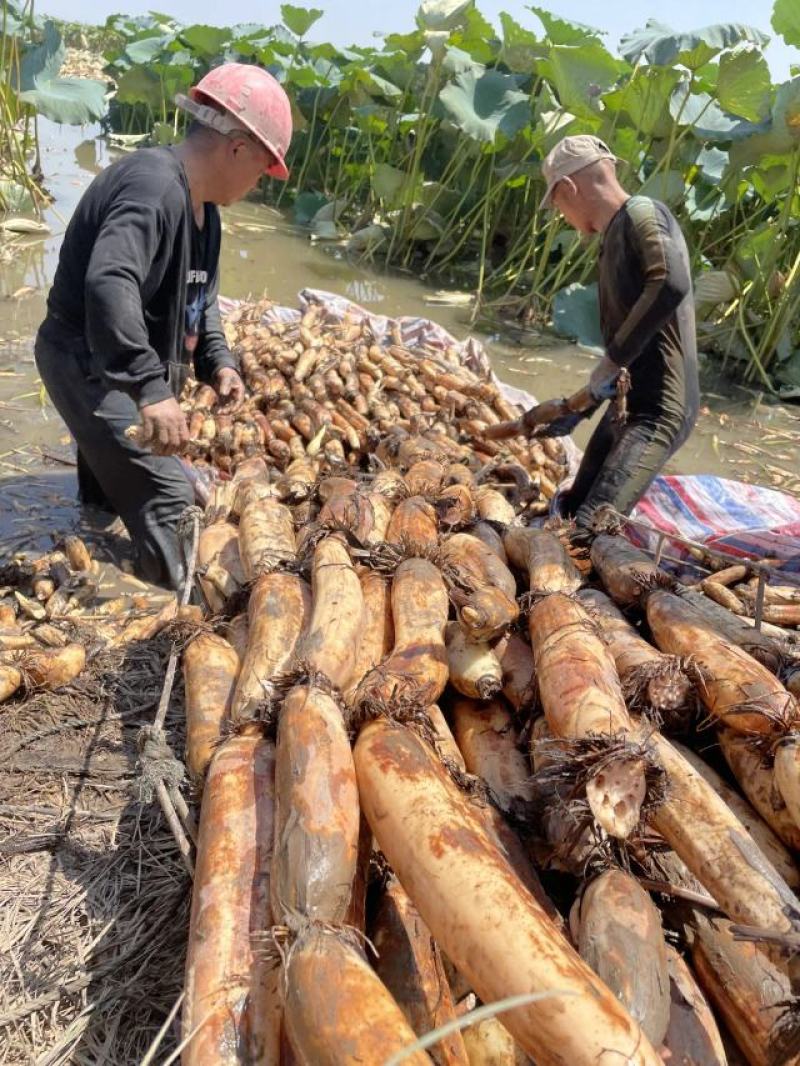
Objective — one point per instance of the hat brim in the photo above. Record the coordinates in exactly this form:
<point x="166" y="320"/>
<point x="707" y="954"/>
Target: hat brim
<point x="547" y="199"/>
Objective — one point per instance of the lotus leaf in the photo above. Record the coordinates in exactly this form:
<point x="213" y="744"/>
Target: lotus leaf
<point x="14" y="197"/>
<point x="665" y="185"/>
<point x="521" y="47"/>
<point x="786" y="21"/>
<point x="306" y="206"/>
<point x="300" y="19"/>
<point x="580" y="74"/>
<point x="442" y="14"/>
<point x="74" y="101"/>
<point x="786" y="111"/>
<point x="484" y="105"/>
<point x="207" y="41"/>
<point x="662" y="46"/>
<point x="706" y="118"/>
<point x="576" y="314"/>
<point x="562" y="31"/>
<point x="645" y="99"/>
<point x="715" y="287"/>
<point x="744" y="87"/>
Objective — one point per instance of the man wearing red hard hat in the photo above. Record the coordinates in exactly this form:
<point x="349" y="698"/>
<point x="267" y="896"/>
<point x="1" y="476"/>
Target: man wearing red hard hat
<point x="134" y="303"/>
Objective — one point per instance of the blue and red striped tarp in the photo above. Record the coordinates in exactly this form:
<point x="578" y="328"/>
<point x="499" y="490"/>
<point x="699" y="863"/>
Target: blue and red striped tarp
<point x="740" y="519"/>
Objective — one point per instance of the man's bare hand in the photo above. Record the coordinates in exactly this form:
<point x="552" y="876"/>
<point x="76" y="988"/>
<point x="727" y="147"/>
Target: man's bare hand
<point x="229" y="387"/>
<point x="164" y="426"/>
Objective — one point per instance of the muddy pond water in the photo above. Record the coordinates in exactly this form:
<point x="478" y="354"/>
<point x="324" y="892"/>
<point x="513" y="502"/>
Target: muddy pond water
<point x="740" y="434"/>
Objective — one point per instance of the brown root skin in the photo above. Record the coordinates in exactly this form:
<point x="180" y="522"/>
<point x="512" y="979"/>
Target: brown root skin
<point x="627" y="572"/>
<point x="455" y="507"/>
<point x="446" y="859"/>
<point x="377" y="635"/>
<point x="787" y="775"/>
<point x="735" y="688"/>
<point x="228" y="987"/>
<point x="764" y="648"/>
<point x="487" y="613"/>
<point x="692" y="1037"/>
<point x="541" y="554"/>
<point x="750" y="988"/>
<point x="519" y="679"/>
<point x="414" y="526"/>
<point x="753" y="769"/>
<point x="317" y="812"/>
<point x="475" y="670"/>
<point x="410" y="965"/>
<point x="53" y="669"/>
<point x="765" y="837"/>
<point x="416" y="671"/>
<point x="621" y="938"/>
<point x="487" y="739"/>
<point x="578" y="683"/>
<point x="210" y="670"/>
<point x="337" y="618"/>
<point x="10" y="681"/>
<point x="356" y="1020"/>
<point x="716" y="847"/>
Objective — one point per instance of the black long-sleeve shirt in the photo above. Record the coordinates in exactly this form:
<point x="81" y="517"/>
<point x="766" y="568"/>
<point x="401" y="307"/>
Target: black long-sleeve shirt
<point x="647" y="311"/>
<point x="122" y="276"/>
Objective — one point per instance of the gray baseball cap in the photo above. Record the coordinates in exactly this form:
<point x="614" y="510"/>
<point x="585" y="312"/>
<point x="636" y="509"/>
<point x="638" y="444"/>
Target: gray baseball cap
<point x="571" y="155"/>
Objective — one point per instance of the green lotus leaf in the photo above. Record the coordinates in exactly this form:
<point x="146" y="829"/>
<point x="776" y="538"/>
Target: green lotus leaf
<point x="645" y="99"/>
<point x="456" y="61"/>
<point x="300" y="19"/>
<point x="666" y="185"/>
<point x="662" y="46"/>
<point x="712" y="163"/>
<point x="772" y="177"/>
<point x="207" y="41"/>
<point x="307" y="206"/>
<point x="14" y="197"/>
<point x="521" y="47"/>
<point x="580" y="74"/>
<point x="786" y="110"/>
<point x="707" y="119"/>
<point x="483" y="105"/>
<point x="756" y="251"/>
<point x="576" y="314"/>
<point x="744" y="87"/>
<point x="73" y="101"/>
<point x="786" y="21"/>
<point x="703" y="202"/>
<point x="563" y="31"/>
<point x="390" y="184"/>
<point x="147" y="49"/>
<point x="476" y="36"/>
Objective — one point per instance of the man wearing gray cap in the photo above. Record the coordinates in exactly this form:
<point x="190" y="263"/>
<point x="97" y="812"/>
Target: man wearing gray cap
<point x="647" y="322"/>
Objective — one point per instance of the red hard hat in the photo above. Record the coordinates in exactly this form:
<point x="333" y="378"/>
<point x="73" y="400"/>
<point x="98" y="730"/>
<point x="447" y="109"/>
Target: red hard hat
<point x="258" y="103"/>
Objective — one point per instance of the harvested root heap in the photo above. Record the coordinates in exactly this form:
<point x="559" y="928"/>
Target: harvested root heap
<point x="54" y="615"/>
<point x="445" y="758"/>
<point x="324" y="388"/>
<point x="453" y="712"/>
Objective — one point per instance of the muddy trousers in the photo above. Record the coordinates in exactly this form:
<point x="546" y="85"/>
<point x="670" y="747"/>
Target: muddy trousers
<point x="619" y="465"/>
<point x="148" y="492"/>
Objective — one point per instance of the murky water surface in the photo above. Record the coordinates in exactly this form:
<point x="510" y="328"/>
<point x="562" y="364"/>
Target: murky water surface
<point x="740" y="433"/>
